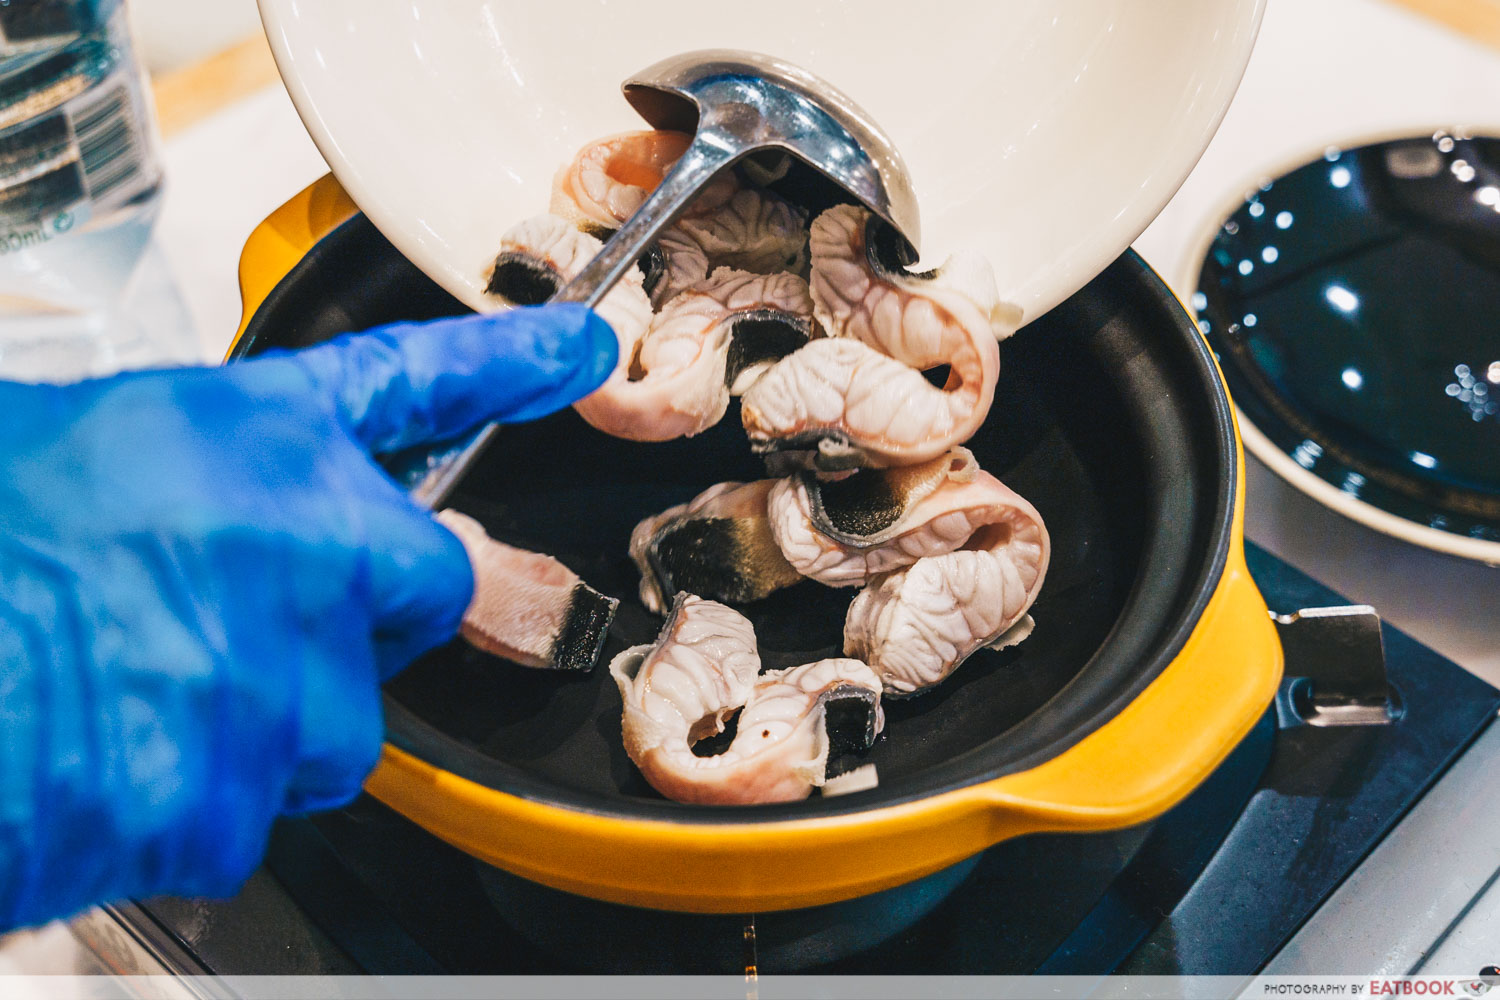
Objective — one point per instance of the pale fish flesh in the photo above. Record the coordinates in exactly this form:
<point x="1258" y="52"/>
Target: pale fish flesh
<point x="528" y="607"/>
<point x="916" y="624"/>
<point x="755" y="231"/>
<point x="678" y="380"/>
<point x="704" y="667"/>
<point x="609" y="179"/>
<point x="859" y="397"/>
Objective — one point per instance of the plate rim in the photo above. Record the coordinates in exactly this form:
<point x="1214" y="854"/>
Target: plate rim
<point x="1257" y="441"/>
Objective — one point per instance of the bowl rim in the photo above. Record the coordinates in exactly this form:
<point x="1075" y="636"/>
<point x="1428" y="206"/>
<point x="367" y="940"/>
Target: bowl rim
<point x="1035" y="303"/>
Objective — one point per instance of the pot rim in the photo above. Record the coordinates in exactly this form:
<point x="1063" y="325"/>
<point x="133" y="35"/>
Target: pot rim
<point x="1204" y="688"/>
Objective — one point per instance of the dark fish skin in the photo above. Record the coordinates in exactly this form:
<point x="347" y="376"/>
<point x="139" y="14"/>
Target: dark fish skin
<point x="522" y="280"/>
<point x="850" y="717"/>
<point x="581" y="638"/>
<point x="824" y="450"/>
<point x="856" y="510"/>
<point x="719" y="558"/>
<point x="762" y="336"/>
<point x="862" y="505"/>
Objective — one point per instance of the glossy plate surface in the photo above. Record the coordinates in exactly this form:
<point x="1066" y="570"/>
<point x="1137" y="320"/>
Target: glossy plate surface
<point x="1043" y="135"/>
<point x="1353" y="302"/>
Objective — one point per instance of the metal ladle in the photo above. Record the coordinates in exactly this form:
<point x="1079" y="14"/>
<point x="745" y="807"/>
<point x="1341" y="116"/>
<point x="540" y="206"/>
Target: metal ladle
<point x="735" y="103"/>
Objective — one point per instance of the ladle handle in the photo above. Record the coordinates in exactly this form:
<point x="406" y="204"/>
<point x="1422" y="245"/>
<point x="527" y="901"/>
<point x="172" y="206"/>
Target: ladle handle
<point x="707" y="155"/>
<point x="431" y="475"/>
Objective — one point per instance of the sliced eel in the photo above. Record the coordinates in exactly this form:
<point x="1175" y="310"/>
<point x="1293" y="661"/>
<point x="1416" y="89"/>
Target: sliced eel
<point x="950" y="558"/>
<point x="717" y="545"/>
<point x="541" y="254"/>
<point x="753" y="231"/>
<point x="677" y="381"/>
<point x="739" y="542"/>
<point x="609" y="179"/>
<point x="703" y="668"/>
<point x="915" y="625"/>
<point x="528" y="607"/>
<point x="844" y="532"/>
<point x="859" y="397"/>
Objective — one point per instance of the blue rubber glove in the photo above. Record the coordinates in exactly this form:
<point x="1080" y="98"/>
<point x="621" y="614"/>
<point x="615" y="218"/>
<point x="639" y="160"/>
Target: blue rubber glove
<point x="203" y="579"/>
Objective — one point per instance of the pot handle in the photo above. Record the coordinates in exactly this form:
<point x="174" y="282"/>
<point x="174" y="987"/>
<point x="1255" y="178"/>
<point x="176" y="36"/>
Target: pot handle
<point x="1169" y="738"/>
<point x="275" y="246"/>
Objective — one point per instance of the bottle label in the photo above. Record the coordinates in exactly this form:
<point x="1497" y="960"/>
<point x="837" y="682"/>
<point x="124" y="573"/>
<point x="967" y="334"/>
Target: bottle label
<point x="40" y="24"/>
<point x="86" y="158"/>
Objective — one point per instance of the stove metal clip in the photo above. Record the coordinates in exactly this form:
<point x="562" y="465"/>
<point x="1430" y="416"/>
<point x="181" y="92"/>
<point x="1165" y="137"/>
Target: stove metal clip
<point x="1335" y="664"/>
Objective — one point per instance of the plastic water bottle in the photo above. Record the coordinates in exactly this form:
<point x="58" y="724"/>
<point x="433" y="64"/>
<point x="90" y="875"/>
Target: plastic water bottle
<point x="80" y="186"/>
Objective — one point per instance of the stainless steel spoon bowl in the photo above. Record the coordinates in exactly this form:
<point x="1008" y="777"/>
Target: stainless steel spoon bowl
<point x="735" y="103"/>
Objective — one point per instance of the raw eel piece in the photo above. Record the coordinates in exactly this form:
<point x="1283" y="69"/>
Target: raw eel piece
<point x="676" y="382"/>
<point x="858" y="398"/>
<point x="609" y="179"/>
<point x="754" y="231"/>
<point x="917" y="624"/>
<point x="543" y="253"/>
<point x="702" y="668"/>
<point x="950" y="558"/>
<point x="843" y="533"/>
<point x="717" y="545"/>
<point x="528" y="607"/>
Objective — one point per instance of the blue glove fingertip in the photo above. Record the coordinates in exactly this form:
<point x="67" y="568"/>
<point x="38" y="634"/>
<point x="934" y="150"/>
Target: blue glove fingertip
<point x="409" y="383"/>
<point x="579" y="344"/>
<point x="422" y="584"/>
<point x="602" y="347"/>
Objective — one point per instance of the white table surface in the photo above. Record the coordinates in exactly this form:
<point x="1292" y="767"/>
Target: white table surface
<point x="225" y="175"/>
<point x="1325" y="72"/>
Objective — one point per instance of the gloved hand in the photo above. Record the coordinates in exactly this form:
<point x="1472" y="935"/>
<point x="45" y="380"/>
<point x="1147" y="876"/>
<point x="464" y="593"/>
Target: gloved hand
<point x="203" y="579"/>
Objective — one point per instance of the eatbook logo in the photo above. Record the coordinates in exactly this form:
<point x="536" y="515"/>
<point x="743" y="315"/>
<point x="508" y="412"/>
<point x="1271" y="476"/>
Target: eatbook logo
<point x="1489" y="978"/>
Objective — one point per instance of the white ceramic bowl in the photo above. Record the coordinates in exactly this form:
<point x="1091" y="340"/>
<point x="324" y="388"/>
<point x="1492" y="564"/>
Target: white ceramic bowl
<point x="1044" y="135"/>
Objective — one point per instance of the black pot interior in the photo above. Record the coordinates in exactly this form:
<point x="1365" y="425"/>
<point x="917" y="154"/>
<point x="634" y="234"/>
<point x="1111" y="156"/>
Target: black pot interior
<point x="1109" y="418"/>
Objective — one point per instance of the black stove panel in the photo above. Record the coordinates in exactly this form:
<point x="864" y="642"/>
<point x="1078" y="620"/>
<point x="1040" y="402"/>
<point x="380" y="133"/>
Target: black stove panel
<point x="1214" y="887"/>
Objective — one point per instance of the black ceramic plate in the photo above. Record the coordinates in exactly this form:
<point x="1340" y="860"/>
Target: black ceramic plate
<point x="1109" y="418"/>
<point x="1355" y="305"/>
